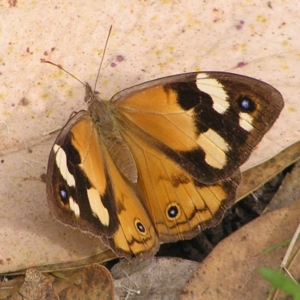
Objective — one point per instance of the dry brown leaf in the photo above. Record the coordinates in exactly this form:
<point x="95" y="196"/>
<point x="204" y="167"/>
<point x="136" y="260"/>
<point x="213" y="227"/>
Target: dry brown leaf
<point x="258" y="175"/>
<point x="288" y="192"/>
<point x="230" y="271"/>
<point x="92" y="282"/>
<point x="35" y="286"/>
<point x="104" y="256"/>
<point x="158" y="278"/>
<point x="11" y="286"/>
<point x="40" y="97"/>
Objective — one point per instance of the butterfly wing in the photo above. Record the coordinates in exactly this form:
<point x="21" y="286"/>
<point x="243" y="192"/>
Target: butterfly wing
<point x="208" y="123"/>
<point x="189" y="134"/>
<point x="85" y="190"/>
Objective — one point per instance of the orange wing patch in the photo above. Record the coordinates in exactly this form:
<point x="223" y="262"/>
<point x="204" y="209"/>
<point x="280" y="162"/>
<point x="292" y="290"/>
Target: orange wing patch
<point x="154" y="106"/>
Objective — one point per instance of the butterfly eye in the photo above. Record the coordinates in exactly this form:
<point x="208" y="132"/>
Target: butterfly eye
<point x="246" y="104"/>
<point x="140" y="227"/>
<point x="173" y="211"/>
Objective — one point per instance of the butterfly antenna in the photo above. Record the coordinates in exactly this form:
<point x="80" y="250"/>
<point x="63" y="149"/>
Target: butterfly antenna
<point x="60" y="67"/>
<point x="105" y="46"/>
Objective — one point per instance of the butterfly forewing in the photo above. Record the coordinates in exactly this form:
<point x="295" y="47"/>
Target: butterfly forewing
<point x="72" y="188"/>
<point x="207" y="122"/>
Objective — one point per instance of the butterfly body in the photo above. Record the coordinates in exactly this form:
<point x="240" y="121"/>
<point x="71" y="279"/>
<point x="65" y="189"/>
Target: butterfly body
<point x="103" y="114"/>
<point x="160" y="161"/>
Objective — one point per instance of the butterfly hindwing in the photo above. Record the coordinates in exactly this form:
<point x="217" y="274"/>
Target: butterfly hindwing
<point x="179" y="206"/>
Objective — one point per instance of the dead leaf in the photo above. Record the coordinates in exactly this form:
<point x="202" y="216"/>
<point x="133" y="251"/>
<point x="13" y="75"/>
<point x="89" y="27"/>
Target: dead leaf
<point x="35" y="286"/>
<point x="288" y="192"/>
<point x="258" y="175"/>
<point x="230" y="270"/>
<point x="158" y="278"/>
<point x="92" y="282"/>
<point x="29" y="235"/>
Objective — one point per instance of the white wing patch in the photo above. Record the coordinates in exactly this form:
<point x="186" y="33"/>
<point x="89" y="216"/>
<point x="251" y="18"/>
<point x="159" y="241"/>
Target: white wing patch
<point x="61" y="162"/>
<point x="215" y="148"/>
<point x="215" y="89"/>
<point x="97" y="206"/>
<point x="246" y="121"/>
<point x="74" y="207"/>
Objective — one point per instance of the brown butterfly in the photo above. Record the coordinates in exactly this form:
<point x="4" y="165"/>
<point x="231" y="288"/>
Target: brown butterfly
<point x="160" y="161"/>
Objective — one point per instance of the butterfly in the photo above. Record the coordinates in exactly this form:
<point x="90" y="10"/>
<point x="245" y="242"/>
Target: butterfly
<point x="160" y="161"/>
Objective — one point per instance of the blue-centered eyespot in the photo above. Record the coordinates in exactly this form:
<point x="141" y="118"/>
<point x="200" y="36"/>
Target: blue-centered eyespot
<point x="173" y="211"/>
<point x="140" y="226"/>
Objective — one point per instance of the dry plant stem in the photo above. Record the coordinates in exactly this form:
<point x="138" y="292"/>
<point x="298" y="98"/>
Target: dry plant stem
<point x="129" y="291"/>
<point x="8" y="130"/>
<point x="287" y="260"/>
<point x="290" y="248"/>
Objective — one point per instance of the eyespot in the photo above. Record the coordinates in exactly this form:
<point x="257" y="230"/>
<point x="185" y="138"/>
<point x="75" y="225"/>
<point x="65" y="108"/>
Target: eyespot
<point x="140" y="227"/>
<point x="246" y="104"/>
<point x="63" y="195"/>
<point x="173" y="211"/>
